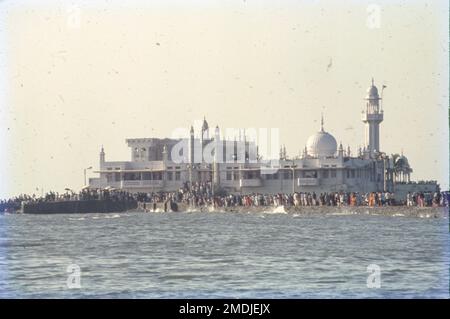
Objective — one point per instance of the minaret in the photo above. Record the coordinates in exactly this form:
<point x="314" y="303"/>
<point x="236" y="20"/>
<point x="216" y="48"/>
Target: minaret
<point x="102" y="157"/>
<point x="191" y="146"/>
<point x="340" y="151"/>
<point x="217" y="156"/>
<point x="165" y="154"/>
<point x="372" y="117"/>
<point x="191" y="156"/>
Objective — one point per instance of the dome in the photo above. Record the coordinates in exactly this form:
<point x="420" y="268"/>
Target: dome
<point x="372" y="92"/>
<point x="321" y="144"/>
<point x="401" y="161"/>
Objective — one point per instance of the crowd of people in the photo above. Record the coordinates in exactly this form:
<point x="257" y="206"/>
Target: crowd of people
<point x="202" y="194"/>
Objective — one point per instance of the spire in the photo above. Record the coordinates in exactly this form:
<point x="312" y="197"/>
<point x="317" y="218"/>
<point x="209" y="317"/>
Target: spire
<point x="372" y="81"/>
<point x="217" y="133"/>
<point x="192" y="130"/>
<point x="321" y="122"/>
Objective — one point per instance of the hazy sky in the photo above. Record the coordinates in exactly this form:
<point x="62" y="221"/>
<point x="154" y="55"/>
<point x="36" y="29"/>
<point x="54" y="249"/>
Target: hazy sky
<point x="76" y="77"/>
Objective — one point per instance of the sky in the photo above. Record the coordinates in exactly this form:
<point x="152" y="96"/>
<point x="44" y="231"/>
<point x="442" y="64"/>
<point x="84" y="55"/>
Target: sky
<point x="76" y="75"/>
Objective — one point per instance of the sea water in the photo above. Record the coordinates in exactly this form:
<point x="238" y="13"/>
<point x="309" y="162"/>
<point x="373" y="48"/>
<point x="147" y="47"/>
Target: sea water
<point x="223" y="255"/>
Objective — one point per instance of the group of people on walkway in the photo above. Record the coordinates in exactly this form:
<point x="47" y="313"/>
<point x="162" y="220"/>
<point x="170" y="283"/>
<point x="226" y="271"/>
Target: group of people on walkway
<point x="202" y="194"/>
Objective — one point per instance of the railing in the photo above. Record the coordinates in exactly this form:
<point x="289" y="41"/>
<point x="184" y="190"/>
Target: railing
<point x="142" y="183"/>
<point x="251" y="182"/>
<point x="308" y="181"/>
<point x="244" y="183"/>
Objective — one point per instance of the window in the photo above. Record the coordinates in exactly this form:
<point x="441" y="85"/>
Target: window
<point x="109" y="177"/>
<point x="333" y="174"/>
<point x="146" y="176"/>
<point x="169" y="176"/>
<point x="287" y="174"/>
<point x="228" y="176"/>
<point x="157" y="176"/>
<point x="310" y="174"/>
<point x="177" y="176"/>
<point x="348" y="173"/>
<point x="235" y="175"/>
<point x="353" y="173"/>
<point x="325" y="173"/>
<point x="131" y="176"/>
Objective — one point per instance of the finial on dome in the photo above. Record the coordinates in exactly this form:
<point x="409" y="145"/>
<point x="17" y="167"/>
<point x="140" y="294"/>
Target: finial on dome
<point x="372" y="81"/>
<point x="321" y="123"/>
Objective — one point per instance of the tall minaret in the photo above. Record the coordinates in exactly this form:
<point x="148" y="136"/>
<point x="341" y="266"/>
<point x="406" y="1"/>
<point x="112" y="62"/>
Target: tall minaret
<point x="191" y="156"/>
<point x="191" y="146"/>
<point x="372" y="116"/>
<point x="102" y="157"/>
<point x="217" y="156"/>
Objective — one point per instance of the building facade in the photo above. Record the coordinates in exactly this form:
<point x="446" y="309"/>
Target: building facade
<point x="235" y="166"/>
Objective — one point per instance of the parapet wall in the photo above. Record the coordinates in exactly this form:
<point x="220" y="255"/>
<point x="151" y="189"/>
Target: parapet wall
<point x="80" y="206"/>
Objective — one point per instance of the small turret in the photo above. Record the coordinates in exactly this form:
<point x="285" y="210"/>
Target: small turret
<point x="340" y="150"/>
<point x="217" y="133"/>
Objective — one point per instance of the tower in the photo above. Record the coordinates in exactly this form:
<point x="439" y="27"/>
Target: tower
<point x="191" y="146"/>
<point x="372" y="116"/>
<point x="102" y="157"/>
<point x="217" y="157"/>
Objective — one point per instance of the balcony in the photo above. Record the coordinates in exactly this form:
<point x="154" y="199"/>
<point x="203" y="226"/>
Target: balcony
<point x="142" y="183"/>
<point x="308" y="181"/>
<point x="250" y="182"/>
<point x="366" y="117"/>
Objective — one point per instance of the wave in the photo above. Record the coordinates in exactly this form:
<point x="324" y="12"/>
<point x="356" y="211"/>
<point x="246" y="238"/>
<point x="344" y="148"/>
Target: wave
<point x="81" y="218"/>
<point x="276" y="210"/>
<point x="344" y="213"/>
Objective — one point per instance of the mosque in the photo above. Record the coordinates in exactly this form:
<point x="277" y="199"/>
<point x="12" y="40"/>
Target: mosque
<point x="235" y="166"/>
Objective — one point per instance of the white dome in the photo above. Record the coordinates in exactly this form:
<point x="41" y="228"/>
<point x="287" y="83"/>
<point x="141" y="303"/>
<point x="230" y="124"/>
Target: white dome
<point x="372" y="93"/>
<point x="321" y="144"/>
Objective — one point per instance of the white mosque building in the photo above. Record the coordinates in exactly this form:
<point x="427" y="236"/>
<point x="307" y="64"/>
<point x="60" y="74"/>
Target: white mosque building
<point x="323" y="166"/>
